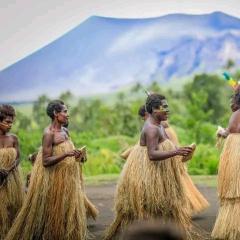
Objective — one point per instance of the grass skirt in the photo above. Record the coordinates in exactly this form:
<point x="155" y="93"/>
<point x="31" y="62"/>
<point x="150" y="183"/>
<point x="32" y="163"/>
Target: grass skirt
<point x="196" y="201"/>
<point x="126" y="153"/>
<point x="54" y="206"/>
<point x="172" y="135"/>
<point x="91" y="210"/>
<point x="227" y="225"/>
<point x="150" y="190"/>
<point x="11" y="192"/>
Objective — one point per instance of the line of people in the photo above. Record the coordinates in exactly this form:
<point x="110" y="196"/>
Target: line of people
<point x="154" y="183"/>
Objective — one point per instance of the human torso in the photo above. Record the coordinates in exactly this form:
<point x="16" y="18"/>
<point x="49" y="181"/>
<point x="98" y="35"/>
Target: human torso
<point x="59" y="135"/>
<point x="6" y="141"/>
<point x="147" y="127"/>
<point x="234" y="123"/>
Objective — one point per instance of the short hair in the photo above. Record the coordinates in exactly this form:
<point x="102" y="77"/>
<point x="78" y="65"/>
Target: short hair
<point x="154" y="101"/>
<point x="142" y="111"/>
<point x="54" y="106"/>
<point x="6" y="111"/>
<point x="236" y="98"/>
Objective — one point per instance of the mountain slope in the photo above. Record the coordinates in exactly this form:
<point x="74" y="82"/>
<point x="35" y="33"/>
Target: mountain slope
<point x="105" y="54"/>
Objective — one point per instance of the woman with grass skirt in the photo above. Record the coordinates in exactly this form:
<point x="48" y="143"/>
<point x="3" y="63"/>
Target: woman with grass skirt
<point x="54" y="207"/>
<point x="150" y="185"/>
<point x="227" y="225"/>
<point x="11" y="186"/>
<point x="196" y="201"/>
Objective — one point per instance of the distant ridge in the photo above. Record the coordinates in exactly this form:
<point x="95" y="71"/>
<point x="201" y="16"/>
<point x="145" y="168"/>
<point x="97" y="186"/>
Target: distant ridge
<point x="103" y="54"/>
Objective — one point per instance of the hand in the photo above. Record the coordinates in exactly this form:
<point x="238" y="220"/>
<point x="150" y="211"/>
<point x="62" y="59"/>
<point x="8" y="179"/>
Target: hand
<point x="83" y="155"/>
<point x="74" y="153"/>
<point x="78" y="153"/>
<point x="184" y="151"/>
<point x="221" y="132"/>
<point x="189" y="156"/>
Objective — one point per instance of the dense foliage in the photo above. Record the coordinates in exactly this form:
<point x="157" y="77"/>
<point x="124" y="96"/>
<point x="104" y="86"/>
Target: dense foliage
<point x="109" y="125"/>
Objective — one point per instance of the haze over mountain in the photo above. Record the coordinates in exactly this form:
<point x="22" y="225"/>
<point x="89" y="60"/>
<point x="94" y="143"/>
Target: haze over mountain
<point x="102" y="55"/>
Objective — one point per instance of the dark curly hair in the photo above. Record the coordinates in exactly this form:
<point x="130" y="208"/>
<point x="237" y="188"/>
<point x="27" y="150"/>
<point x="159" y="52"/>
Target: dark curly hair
<point x="142" y="111"/>
<point x="154" y="101"/>
<point x="236" y="98"/>
<point x="54" y="106"/>
<point x="6" y="111"/>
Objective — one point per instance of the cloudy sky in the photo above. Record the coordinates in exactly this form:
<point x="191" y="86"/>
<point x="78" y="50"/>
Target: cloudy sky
<point x="27" y="25"/>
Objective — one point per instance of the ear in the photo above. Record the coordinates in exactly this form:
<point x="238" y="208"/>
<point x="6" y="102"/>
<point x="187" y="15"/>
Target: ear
<point x="154" y="110"/>
<point x="55" y="113"/>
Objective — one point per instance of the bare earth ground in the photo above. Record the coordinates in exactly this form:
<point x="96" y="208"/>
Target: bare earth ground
<point x="102" y="197"/>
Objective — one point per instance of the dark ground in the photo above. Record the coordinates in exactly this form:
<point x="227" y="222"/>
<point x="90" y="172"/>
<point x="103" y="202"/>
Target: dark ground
<point x="102" y="197"/>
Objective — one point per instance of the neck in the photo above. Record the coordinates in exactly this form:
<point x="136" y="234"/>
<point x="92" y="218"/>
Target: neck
<point x="2" y="133"/>
<point x="56" y="125"/>
<point x="154" y="120"/>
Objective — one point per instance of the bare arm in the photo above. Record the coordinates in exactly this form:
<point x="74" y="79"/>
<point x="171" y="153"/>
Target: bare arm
<point x="152" y="137"/>
<point x="233" y="125"/>
<point x="16" y="146"/>
<point x="47" y="151"/>
<point x="17" y="160"/>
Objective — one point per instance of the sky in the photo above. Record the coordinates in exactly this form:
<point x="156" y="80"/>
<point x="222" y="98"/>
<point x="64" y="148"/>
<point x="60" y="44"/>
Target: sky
<point x="28" y="25"/>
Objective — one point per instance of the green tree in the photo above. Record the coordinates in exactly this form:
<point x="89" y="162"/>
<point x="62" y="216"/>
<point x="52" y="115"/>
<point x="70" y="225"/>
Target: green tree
<point x="22" y="122"/>
<point x="154" y="87"/>
<point x="230" y="64"/>
<point x="217" y="93"/>
<point x="39" y="111"/>
<point x="66" y="97"/>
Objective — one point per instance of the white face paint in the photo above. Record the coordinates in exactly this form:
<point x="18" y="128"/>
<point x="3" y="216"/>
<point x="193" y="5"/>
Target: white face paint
<point x="162" y="112"/>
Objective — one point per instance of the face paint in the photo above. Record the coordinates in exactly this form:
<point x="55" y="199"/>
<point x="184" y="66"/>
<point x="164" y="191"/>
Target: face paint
<point x="5" y="125"/>
<point x="163" y="108"/>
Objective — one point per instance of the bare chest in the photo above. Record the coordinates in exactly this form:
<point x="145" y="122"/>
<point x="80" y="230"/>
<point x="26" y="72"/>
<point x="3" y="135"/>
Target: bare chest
<point x="6" y="142"/>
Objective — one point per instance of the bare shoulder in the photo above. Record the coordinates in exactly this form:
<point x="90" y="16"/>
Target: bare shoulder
<point x="48" y="134"/>
<point x="151" y="129"/>
<point x="235" y="117"/>
<point x="234" y="122"/>
<point x="65" y="130"/>
<point x="13" y="137"/>
<point x="165" y="124"/>
<point x="237" y="113"/>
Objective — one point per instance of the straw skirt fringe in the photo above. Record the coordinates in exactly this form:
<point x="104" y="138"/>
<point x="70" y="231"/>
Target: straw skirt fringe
<point x="150" y="190"/>
<point x="196" y="201"/>
<point x="11" y="191"/>
<point x="227" y="225"/>
<point x="91" y="210"/>
<point x="54" y="206"/>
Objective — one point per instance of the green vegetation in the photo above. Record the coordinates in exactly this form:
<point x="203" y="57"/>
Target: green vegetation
<point x="109" y="127"/>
